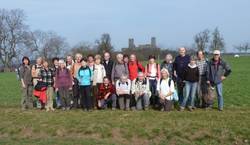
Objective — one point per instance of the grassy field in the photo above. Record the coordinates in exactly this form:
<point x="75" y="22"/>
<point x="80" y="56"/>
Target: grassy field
<point x="232" y="126"/>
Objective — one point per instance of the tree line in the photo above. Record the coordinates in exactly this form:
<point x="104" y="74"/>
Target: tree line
<point x="17" y="40"/>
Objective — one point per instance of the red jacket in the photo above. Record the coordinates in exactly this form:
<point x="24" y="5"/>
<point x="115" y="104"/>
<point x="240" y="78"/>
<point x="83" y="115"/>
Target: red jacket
<point x="103" y="90"/>
<point x="41" y="95"/>
<point x="133" y="68"/>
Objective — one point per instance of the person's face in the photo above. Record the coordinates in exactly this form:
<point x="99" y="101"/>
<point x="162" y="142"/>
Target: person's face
<point x="62" y="65"/>
<point x="132" y="58"/>
<point x="120" y="59"/>
<point x="216" y="57"/>
<point x="140" y="77"/>
<point x="168" y="58"/>
<point x="69" y="60"/>
<point x="84" y="63"/>
<point x="126" y="59"/>
<point x="98" y="61"/>
<point x="123" y="79"/>
<point x="106" y="56"/>
<point x="56" y="62"/>
<point x="200" y="55"/>
<point x="78" y="58"/>
<point x="39" y="61"/>
<point x="45" y="64"/>
<point x="106" y="81"/>
<point x="182" y="51"/>
<point x="152" y="60"/>
<point x="26" y="62"/>
<point x="90" y="59"/>
<point x="192" y="62"/>
<point x="164" y="75"/>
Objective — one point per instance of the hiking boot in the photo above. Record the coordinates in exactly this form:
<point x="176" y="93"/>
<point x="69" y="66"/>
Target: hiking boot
<point x="190" y="108"/>
<point x="181" y="109"/>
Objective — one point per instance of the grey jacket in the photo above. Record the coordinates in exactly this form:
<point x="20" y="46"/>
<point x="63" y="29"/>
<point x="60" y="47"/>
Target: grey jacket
<point x="119" y="70"/>
<point x="215" y="72"/>
<point x="25" y="74"/>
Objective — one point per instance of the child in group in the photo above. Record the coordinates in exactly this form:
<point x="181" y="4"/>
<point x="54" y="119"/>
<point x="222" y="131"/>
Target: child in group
<point x="106" y="94"/>
<point x="63" y="83"/>
<point x="84" y="78"/>
<point x="99" y="74"/>
<point x="123" y="88"/>
<point x="191" y="79"/>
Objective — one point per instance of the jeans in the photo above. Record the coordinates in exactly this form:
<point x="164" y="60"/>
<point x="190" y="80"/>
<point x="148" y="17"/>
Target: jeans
<point x="86" y="100"/>
<point x="154" y="100"/>
<point x="218" y="88"/>
<point x="112" y="98"/>
<point x="142" y="102"/>
<point x="190" y="91"/>
<point x="58" y="100"/>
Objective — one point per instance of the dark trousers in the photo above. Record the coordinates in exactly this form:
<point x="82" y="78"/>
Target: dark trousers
<point x="154" y="100"/>
<point x="65" y="98"/>
<point x="95" y="94"/>
<point x="166" y="104"/>
<point x="76" y="96"/>
<point x="86" y="100"/>
<point x="180" y="87"/>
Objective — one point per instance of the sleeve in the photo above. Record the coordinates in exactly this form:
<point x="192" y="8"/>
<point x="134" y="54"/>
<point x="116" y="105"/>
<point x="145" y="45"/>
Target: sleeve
<point x="117" y="86"/>
<point x="158" y="87"/>
<point x="146" y="70"/>
<point x="158" y="71"/>
<point x="129" y="86"/>
<point x="113" y="73"/>
<point x="147" y="88"/>
<point x="140" y="66"/>
<point x="133" y="87"/>
<point x="126" y="69"/>
<point x="227" y="70"/>
<point x="103" y="71"/>
<point x="208" y="71"/>
<point x="172" y="86"/>
<point x="21" y="72"/>
<point x="94" y="76"/>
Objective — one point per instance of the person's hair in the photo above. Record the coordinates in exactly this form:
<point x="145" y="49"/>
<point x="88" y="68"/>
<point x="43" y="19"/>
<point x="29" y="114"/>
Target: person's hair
<point x="84" y="59"/>
<point x="78" y="54"/>
<point x="193" y="58"/>
<point x="119" y="55"/>
<point x="98" y="56"/>
<point x="197" y="53"/>
<point x="55" y="59"/>
<point x="25" y="57"/>
<point x="125" y="56"/>
<point x="105" y="78"/>
<point x="90" y="55"/>
<point x="151" y="57"/>
<point x="165" y="70"/>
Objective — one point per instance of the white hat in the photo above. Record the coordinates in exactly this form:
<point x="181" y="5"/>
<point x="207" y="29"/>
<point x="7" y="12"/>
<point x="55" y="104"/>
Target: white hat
<point x="216" y="52"/>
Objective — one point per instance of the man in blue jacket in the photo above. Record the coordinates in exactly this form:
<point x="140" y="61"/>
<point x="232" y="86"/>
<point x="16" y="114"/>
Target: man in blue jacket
<point x="217" y="71"/>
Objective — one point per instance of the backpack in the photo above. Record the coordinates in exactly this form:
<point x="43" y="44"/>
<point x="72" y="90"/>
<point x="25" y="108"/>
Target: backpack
<point x="174" y="96"/>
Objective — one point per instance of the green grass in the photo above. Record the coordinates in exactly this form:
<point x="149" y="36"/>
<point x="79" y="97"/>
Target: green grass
<point x="232" y="126"/>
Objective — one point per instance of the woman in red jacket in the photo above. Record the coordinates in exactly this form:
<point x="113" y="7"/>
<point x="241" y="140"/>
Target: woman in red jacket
<point x="134" y="67"/>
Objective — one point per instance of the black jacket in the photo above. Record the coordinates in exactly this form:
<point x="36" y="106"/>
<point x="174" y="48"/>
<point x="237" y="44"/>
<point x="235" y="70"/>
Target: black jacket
<point x="108" y="68"/>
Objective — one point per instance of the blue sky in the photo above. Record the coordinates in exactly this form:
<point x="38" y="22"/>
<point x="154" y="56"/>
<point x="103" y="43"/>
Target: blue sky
<point x="173" y="22"/>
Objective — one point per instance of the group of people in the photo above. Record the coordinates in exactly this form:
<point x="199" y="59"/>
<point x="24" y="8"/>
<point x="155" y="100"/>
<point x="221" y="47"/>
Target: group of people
<point x="98" y="82"/>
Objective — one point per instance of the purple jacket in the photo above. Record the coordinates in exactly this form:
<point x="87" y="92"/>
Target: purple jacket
<point x="63" y="78"/>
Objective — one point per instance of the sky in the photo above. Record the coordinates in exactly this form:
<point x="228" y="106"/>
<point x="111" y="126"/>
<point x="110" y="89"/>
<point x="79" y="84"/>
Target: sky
<point x="173" y="22"/>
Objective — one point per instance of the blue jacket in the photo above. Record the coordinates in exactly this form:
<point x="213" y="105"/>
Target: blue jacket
<point x="84" y="76"/>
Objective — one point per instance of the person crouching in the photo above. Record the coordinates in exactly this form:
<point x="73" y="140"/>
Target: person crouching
<point x="106" y="94"/>
<point x="123" y="87"/>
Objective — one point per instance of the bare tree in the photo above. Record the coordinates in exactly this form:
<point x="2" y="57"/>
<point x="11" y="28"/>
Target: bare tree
<point x="84" y="48"/>
<point x="104" y="44"/>
<point x="217" y="42"/>
<point x="46" y="44"/>
<point x="12" y="29"/>
<point x="201" y="40"/>
<point x="245" y="47"/>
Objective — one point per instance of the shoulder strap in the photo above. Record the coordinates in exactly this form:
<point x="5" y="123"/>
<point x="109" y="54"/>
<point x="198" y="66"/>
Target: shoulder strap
<point x="169" y="82"/>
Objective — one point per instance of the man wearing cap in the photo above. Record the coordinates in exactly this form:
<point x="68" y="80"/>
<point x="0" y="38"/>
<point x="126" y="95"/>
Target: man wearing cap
<point x="217" y="71"/>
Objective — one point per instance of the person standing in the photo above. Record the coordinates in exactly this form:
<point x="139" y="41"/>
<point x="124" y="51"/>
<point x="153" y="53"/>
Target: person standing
<point x="191" y="79"/>
<point x="153" y="73"/>
<point x="202" y="88"/>
<point x="119" y="69"/>
<point x="217" y="71"/>
<point x="74" y="72"/>
<point x="168" y="64"/>
<point x="84" y="78"/>
<point x="134" y="67"/>
<point x="27" y="85"/>
<point x="34" y="72"/>
<point x="180" y="64"/>
<point x="108" y="64"/>
<point x="63" y="83"/>
<point x="99" y="74"/>
<point x="47" y="76"/>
